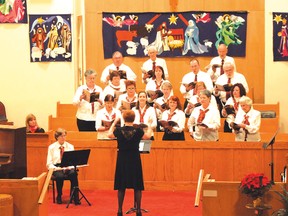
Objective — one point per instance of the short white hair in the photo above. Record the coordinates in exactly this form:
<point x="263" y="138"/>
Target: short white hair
<point x="246" y="100"/>
<point x="152" y="48"/>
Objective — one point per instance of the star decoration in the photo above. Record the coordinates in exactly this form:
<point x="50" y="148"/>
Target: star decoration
<point x="278" y="18"/>
<point x="173" y="19"/>
<point x="40" y="20"/>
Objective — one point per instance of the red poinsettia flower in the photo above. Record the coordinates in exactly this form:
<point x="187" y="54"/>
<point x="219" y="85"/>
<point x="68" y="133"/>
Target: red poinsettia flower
<point x="255" y="185"/>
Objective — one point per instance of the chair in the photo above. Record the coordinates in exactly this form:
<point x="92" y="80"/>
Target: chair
<point x="53" y="182"/>
<point x="3" y="117"/>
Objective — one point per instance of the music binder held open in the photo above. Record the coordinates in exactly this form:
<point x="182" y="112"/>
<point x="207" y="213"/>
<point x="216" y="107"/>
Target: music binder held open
<point x="145" y="146"/>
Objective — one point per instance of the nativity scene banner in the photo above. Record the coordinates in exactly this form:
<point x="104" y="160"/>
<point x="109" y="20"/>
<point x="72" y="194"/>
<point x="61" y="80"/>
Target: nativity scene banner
<point x="50" y="38"/>
<point x="174" y="34"/>
<point x="280" y="36"/>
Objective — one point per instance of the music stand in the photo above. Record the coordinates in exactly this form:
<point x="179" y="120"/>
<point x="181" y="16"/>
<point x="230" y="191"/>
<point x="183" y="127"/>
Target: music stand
<point x="75" y="158"/>
<point x="144" y="148"/>
<point x="265" y="146"/>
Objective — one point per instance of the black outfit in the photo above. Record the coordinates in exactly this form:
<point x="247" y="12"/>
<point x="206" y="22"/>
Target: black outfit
<point x="128" y="173"/>
<point x="169" y="135"/>
<point x="86" y="125"/>
<point x="38" y="130"/>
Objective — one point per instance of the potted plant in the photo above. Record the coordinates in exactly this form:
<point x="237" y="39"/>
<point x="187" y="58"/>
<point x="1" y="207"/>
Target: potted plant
<point x="284" y="200"/>
<point x="255" y="185"/>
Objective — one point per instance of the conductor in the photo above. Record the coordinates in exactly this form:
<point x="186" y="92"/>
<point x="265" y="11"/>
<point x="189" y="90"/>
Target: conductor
<point x="128" y="173"/>
<point x="54" y="156"/>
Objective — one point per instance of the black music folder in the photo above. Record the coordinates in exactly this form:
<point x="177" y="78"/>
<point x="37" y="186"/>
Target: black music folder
<point x="145" y="146"/>
<point x="75" y="158"/>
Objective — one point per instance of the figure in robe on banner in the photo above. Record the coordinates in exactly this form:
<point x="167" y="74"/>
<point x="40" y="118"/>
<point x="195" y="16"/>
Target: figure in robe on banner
<point x="192" y="40"/>
<point x="247" y="122"/>
<point x="161" y="41"/>
<point x="283" y="47"/>
<point x="128" y="172"/>
<point x="204" y="121"/>
<point x="227" y="26"/>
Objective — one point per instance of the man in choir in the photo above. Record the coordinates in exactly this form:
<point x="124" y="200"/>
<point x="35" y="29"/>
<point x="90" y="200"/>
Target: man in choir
<point x="215" y="68"/>
<point x="192" y="78"/>
<point x="227" y="80"/>
<point x="119" y="66"/>
<point x="247" y="122"/>
<point x="54" y="157"/>
<point x="151" y="63"/>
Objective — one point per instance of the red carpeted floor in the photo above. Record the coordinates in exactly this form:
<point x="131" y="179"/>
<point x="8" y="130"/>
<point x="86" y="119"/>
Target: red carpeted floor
<point x="104" y="203"/>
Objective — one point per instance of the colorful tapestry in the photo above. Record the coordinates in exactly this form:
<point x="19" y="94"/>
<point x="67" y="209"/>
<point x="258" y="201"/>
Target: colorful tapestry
<point x="174" y="34"/>
<point x="280" y="36"/>
<point x="50" y="38"/>
<point x="13" y="11"/>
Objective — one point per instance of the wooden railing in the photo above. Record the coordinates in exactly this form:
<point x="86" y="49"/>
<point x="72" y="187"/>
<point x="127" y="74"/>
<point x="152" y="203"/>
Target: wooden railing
<point x="171" y="165"/>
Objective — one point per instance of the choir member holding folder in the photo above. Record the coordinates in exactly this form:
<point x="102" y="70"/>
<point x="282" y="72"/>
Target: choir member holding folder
<point x="173" y="120"/>
<point x="204" y="121"/>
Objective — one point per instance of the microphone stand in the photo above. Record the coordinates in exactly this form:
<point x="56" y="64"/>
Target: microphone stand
<point x="271" y="164"/>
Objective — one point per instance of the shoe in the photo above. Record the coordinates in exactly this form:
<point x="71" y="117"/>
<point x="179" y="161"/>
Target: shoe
<point x="59" y="199"/>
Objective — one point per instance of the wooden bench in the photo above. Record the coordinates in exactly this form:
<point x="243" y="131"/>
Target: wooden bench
<point x="66" y="110"/>
<point x="68" y="123"/>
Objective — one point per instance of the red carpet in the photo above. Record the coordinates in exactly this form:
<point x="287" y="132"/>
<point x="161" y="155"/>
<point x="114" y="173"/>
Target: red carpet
<point x="104" y="203"/>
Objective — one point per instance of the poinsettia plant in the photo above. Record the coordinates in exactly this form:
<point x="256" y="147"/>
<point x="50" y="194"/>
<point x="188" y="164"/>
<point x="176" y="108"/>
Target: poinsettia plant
<point x="255" y="185"/>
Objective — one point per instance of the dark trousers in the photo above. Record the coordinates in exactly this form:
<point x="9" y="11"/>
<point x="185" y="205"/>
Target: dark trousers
<point x="60" y="176"/>
<point x="86" y="125"/>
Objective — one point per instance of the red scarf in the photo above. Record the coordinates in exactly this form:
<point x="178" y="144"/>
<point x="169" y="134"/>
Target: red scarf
<point x="33" y="129"/>
<point x="142" y="114"/>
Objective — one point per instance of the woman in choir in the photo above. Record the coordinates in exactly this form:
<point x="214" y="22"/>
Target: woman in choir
<point x="194" y="100"/>
<point x="86" y="112"/>
<point x="247" y="121"/>
<point x="174" y="120"/>
<point x="155" y="83"/>
<point x="232" y="105"/>
<point x="129" y="99"/>
<point x="204" y="121"/>
<point x="128" y="173"/>
<point x="115" y="87"/>
<point x="32" y="125"/>
<point x="107" y="115"/>
<point x="144" y="112"/>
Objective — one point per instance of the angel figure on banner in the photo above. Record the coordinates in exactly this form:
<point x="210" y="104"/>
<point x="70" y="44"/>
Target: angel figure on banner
<point x="283" y="46"/>
<point x="192" y="40"/>
<point x="227" y="26"/>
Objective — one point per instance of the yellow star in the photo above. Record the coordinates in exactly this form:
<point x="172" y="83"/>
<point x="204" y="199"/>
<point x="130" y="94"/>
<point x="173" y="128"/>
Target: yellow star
<point x="278" y="18"/>
<point x="173" y="19"/>
<point x="40" y="20"/>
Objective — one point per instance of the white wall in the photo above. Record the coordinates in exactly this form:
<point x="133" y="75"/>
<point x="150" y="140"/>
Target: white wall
<point x="33" y="87"/>
<point x="276" y="73"/>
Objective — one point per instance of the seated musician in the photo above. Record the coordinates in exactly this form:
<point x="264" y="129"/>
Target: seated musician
<point x="54" y="156"/>
<point x="247" y="122"/>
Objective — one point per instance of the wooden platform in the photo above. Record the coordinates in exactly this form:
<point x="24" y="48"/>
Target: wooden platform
<point x="171" y="165"/>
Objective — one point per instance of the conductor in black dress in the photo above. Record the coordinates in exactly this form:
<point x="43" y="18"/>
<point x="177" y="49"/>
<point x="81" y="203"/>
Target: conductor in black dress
<point x="128" y="173"/>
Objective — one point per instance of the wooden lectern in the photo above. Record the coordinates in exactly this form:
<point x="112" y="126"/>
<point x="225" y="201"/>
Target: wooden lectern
<point x="13" y="143"/>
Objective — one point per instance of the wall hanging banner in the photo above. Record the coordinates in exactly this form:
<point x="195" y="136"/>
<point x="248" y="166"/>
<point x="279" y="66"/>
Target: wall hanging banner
<point x="174" y="34"/>
<point x="280" y="36"/>
<point x="50" y="38"/>
<point x="13" y="11"/>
